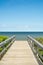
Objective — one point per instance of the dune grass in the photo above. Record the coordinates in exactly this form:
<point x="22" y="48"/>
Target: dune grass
<point x="41" y="41"/>
<point x="1" y="49"/>
<point x="3" y="38"/>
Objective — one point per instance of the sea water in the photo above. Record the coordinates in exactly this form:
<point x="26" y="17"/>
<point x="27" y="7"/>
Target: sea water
<point x="22" y="35"/>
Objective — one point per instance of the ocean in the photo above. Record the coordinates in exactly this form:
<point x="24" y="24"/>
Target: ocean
<point x="22" y="35"/>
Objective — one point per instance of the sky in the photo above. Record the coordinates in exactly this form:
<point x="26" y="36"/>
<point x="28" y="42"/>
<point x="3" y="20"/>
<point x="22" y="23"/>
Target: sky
<point x="21" y="15"/>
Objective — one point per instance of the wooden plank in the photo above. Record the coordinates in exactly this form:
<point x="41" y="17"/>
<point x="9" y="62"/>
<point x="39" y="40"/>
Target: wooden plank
<point x="19" y="53"/>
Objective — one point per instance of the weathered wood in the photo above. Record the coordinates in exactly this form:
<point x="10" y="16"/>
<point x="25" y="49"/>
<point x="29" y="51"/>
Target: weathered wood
<point x="19" y="53"/>
<point x="10" y="41"/>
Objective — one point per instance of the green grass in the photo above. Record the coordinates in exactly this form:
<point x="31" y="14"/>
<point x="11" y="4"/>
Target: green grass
<point x="3" y="38"/>
<point x="41" y="41"/>
<point x="1" y="49"/>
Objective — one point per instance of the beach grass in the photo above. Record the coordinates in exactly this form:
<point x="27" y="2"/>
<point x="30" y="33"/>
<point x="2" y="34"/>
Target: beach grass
<point x="40" y="39"/>
<point x="1" y="49"/>
<point x="3" y="38"/>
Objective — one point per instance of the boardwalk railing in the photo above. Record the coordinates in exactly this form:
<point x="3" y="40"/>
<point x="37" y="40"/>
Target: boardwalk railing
<point x="36" y="47"/>
<point x="5" y="45"/>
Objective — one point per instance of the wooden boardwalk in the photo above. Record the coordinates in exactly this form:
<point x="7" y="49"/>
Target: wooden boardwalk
<point x="19" y="53"/>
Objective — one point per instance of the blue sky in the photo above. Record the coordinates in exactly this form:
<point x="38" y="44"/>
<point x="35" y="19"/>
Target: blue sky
<point x="21" y="15"/>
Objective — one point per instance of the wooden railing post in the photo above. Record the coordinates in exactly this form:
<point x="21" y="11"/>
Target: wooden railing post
<point x="9" y="42"/>
<point x="35" y="45"/>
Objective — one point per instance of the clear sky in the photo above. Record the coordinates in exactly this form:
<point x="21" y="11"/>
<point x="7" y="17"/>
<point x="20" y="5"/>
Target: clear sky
<point x="21" y="15"/>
